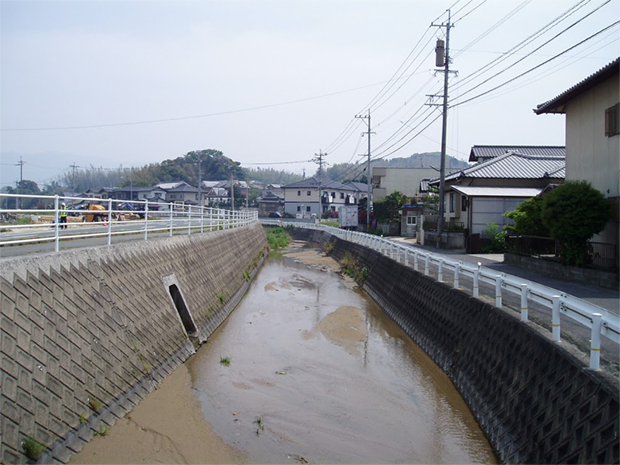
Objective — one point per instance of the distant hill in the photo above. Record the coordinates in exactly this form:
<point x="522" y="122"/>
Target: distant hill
<point x="422" y="160"/>
<point x="272" y="176"/>
<point x="350" y="172"/>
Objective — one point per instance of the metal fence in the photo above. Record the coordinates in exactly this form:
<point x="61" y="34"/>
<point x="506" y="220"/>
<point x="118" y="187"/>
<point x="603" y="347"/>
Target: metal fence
<point x="600" y="321"/>
<point x="44" y="221"/>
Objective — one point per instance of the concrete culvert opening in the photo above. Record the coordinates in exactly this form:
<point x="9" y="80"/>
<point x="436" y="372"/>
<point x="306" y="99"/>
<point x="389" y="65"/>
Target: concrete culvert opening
<point x="179" y="303"/>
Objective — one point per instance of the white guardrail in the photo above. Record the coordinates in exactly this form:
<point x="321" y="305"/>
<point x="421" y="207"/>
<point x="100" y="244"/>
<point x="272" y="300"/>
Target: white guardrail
<point x="599" y="320"/>
<point x="112" y="218"/>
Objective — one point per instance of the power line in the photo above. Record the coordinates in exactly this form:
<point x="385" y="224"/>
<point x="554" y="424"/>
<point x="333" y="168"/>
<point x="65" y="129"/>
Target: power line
<point x="492" y="28"/>
<point x="451" y="8"/>
<point x="537" y="66"/>
<point x="554" y="69"/>
<point x="468" y="13"/>
<point x="386" y="88"/>
<point x="183" y="118"/>
<point x="536" y="49"/>
<point x="278" y="162"/>
<point x="573" y="9"/>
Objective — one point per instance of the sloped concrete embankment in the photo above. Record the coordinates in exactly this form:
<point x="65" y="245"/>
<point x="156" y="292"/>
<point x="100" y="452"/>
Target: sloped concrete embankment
<point x="536" y="402"/>
<point x="86" y="334"/>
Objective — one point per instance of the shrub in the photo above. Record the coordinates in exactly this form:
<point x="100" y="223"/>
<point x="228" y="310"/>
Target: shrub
<point x="528" y="219"/>
<point x="498" y="239"/>
<point x="574" y="212"/>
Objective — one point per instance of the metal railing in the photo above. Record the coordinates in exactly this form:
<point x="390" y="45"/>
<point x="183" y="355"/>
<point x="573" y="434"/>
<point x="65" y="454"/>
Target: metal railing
<point x="17" y="225"/>
<point x="600" y="321"/>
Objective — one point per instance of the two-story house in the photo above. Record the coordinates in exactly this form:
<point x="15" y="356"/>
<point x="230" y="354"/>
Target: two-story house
<point x="302" y="198"/>
<point x="593" y="135"/>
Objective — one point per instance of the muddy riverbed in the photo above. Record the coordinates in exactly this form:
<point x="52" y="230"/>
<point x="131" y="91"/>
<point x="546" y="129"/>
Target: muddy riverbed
<point x="317" y="374"/>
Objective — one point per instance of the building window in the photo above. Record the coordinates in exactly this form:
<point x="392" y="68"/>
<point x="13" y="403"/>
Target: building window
<point x="342" y="195"/>
<point x="451" y="202"/>
<point x="308" y="208"/>
<point x="612" y="128"/>
<point x="299" y="193"/>
<point x="412" y="220"/>
<point x="463" y="203"/>
<point x="308" y="193"/>
<point x="298" y="208"/>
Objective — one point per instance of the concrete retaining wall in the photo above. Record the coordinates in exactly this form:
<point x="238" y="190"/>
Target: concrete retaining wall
<point x="85" y="334"/>
<point x="535" y="401"/>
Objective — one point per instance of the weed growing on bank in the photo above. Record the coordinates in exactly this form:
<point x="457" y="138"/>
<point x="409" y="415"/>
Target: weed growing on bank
<point x="33" y="448"/>
<point x="352" y="268"/>
<point x="328" y="247"/>
<point x="278" y="238"/>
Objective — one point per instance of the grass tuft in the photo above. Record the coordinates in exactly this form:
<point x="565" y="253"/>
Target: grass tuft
<point x="33" y="448"/>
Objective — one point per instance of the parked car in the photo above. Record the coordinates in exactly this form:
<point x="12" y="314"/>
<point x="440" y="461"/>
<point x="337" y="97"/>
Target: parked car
<point x="275" y="215"/>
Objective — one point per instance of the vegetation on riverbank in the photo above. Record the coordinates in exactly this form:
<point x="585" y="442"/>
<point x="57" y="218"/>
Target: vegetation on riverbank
<point x="278" y="238"/>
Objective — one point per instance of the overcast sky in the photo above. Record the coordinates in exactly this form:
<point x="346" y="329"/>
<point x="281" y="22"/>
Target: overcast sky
<point x="277" y="81"/>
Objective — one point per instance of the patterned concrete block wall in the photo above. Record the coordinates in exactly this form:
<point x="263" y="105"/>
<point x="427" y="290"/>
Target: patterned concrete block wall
<point x="85" y="334"/>
<point x="535" y="401"/>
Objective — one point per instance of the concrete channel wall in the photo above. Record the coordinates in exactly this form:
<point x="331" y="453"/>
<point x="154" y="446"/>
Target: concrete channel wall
<point x="86" y="334"/>
<point x="535" y="401"/>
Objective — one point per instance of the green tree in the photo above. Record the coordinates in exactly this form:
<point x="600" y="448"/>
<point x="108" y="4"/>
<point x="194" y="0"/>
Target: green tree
<point x="574" y="212"/>
<point x="388" y="209"/>
<point x="528" y="219"/>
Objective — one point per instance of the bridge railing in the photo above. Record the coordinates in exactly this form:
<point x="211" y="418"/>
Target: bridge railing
<point x="600" y="321"/>
<point x="38" y="218"/>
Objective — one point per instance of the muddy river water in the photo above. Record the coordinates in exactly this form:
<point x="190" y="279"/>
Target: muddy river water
<point x="317" y="374"/>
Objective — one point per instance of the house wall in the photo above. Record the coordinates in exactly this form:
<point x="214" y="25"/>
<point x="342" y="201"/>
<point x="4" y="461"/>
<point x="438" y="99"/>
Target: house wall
<point x="485" y="210"/>
<point x="292" y="200"/>
<point x="405" y="180"/>
<point x="291" y="207"/>
<point x="590" y="155"/>
<point x="290" y="195"/>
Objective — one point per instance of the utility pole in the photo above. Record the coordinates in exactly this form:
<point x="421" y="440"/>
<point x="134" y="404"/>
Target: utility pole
<point x="199" y="179"/>
<point x="232" y="192"/>
<point x="20" y="163"/>
<point x="73" y="168"/>
<point x="441" y="60"/>
<point x="319" y="159"/>
<point x="368" y="173"/>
